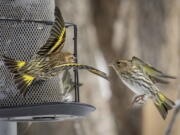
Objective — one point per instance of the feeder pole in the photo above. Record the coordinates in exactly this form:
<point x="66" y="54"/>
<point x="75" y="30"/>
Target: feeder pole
<point x="8" y="128"/>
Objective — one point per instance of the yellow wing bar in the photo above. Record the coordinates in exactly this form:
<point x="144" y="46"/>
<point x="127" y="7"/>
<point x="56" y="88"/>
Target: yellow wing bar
<point x="60" y="40"/>
<point x="91" y="69"/>
<point x="57" y="36"/>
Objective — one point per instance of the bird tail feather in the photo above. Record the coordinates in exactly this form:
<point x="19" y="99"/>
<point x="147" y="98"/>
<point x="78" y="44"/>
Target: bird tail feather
<point x="163" y="104"/>
<point x="22" y="80"/>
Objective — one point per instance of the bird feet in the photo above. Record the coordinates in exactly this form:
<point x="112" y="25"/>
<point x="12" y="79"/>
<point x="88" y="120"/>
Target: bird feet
<point x="139" y="99"/>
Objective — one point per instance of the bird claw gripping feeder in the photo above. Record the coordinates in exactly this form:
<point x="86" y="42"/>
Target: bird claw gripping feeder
<point x="24" y="27"/>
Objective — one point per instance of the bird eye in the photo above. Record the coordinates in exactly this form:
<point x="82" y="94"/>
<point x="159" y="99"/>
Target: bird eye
<point x="118" y="62"/>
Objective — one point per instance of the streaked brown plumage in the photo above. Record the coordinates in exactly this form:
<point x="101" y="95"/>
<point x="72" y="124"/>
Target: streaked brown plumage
<point x="67" y="86"/>
<point x="140" y="83"/>
<point x="48" y="62"/>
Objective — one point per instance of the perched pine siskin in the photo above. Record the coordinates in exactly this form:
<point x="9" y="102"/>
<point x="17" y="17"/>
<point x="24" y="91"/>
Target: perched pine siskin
<point x="48" y="62"/>
<point x="67" y="86"/>
<point x="140" y="83"/>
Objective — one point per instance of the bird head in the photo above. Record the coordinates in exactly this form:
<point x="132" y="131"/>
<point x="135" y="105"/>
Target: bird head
<point x="69" y="57"/>
<point x="122" y="65"/>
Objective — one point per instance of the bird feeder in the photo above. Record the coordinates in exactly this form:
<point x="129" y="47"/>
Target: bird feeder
<point x="24" y="28"/>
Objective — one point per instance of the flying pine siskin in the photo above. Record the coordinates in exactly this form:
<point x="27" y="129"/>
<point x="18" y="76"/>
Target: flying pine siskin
<point x="49" y="61"/>
<point x="139" y="81"/>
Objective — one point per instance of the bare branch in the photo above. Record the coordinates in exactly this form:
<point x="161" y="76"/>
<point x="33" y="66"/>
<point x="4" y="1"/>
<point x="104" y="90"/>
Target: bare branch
<point x="173" y="120"/>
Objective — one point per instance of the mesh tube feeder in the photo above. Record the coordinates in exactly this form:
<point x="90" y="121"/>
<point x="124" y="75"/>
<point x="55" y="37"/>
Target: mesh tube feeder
<point x="24" y="28"/>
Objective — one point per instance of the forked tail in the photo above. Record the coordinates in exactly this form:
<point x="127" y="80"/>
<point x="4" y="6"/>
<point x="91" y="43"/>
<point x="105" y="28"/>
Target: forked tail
<point x="21" y="80"/>
<point x="163" y="104"/>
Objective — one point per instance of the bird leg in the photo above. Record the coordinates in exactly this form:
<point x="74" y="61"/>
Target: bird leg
<point x="139" y="99"/>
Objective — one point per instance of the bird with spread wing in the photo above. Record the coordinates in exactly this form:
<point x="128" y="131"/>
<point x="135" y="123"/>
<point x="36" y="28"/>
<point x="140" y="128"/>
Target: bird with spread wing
<point x="141" y="78"/>
<point x="49" y="61"/>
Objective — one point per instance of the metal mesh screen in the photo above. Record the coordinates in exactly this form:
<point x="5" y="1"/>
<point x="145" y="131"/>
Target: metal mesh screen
<point x="27" y="9"/>
<point x="20" y="40"/>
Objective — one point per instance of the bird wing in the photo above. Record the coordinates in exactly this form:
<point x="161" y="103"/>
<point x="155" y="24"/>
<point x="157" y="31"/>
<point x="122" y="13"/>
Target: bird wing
<point x="154" y="74"/>
<point x="158" y="80"/>
<point x="57" y="36"/>
<point x="91" y="69"/>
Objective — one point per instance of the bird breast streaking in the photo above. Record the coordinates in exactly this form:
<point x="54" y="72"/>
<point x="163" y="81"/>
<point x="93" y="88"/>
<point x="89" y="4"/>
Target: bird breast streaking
<point x="141" y="78"/>
<point x="48" y="61"/>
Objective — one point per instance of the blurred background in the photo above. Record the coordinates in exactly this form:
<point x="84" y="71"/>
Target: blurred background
<point x="111" y="29"/>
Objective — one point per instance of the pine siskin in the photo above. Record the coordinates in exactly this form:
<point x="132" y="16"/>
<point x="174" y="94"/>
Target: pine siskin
<point x="139" y="82"/>
<point x="48" y="62"/>
<point x="67" y="86"/>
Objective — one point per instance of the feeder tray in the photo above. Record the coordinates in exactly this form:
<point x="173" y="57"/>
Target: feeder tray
<point x="24" y="28"/>
<point x="46" y="112"/>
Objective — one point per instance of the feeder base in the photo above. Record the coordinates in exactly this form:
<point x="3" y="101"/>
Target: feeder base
<point x="46" y="112"/>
